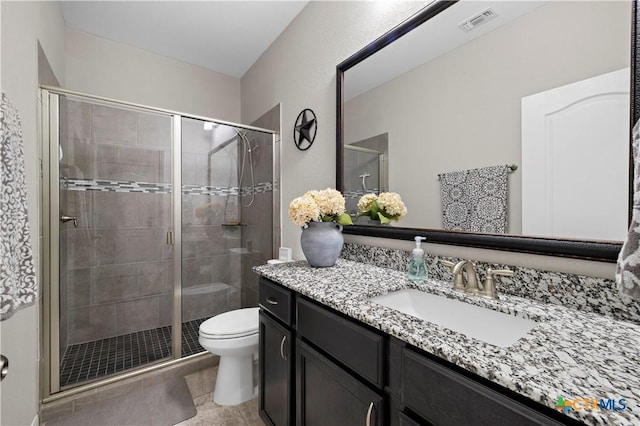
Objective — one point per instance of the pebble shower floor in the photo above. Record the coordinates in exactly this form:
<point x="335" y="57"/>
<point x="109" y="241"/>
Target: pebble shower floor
<point x="92" y="360"/>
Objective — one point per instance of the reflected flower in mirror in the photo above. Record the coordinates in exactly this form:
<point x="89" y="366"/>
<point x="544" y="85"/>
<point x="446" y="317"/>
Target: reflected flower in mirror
<point x="384" y="207"/>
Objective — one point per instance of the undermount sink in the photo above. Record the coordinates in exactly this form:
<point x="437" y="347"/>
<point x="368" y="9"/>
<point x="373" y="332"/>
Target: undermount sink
<point x="495" y="328"/>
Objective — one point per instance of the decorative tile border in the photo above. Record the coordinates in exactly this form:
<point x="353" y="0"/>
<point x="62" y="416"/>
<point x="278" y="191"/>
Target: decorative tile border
<point x="587" y="294"/>
<point x="360" y="193"/>
<point x="103" y="185"/>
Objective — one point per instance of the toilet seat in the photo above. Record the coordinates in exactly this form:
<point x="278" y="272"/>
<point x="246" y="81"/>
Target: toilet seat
<point x="231" y="325"/>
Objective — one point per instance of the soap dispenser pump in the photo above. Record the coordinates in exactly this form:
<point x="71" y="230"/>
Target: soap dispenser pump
<point x="417" y="266"/>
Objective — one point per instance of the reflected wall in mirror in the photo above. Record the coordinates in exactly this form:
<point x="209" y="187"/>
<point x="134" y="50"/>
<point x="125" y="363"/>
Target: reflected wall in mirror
<point x="542" y="85"/>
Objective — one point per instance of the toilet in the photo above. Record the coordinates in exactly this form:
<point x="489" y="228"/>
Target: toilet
<point x="233" y="336"/>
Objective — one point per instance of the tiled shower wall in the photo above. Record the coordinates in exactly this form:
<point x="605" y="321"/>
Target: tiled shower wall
<point x="117" y="267"/>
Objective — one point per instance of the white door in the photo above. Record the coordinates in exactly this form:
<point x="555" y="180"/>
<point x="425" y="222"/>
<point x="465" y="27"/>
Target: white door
<point x="575" y="159"/>
<point x="19" y="389"/>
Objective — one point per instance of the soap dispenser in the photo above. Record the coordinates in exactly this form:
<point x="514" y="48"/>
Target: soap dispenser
<point x="417" y="267"/>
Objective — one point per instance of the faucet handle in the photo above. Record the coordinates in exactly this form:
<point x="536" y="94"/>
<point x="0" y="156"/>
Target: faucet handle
<point x="447" y="263"/>
<point x="503" y="272"/>
<point x="489" y="286"/>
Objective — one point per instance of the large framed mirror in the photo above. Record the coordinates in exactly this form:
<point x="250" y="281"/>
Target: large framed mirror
<point x="542" y="91"/>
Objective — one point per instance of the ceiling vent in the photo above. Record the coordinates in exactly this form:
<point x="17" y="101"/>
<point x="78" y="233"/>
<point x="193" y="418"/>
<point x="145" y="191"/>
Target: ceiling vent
<point x="477" y="19"/>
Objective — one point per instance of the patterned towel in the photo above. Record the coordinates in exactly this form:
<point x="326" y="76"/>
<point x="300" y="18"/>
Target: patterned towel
<point x="628" y="268"/>
<point x="475" y="200"/>
<point x="18" y="287"/>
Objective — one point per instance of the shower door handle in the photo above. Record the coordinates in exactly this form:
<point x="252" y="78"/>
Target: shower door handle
<point x="64" y="218"/>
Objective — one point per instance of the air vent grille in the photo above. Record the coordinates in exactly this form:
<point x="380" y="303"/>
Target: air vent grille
<point x="477" y="19"/>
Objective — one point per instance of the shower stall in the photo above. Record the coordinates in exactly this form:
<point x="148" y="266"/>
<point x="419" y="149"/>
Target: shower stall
<point x="131" y="267"/>
<point x="366" y="171"/>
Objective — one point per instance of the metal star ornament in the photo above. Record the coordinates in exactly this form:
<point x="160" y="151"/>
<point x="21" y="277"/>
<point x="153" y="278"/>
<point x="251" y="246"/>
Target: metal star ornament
<point x="305" y="129"/>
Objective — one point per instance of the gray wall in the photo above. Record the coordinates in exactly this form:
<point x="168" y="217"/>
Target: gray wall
<point x="23" y="25"/>
<point x="115" y="70"/>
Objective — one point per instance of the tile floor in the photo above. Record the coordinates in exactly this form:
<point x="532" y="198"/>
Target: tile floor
<point x="211" y="414"/>
<point x="93" y="360"/>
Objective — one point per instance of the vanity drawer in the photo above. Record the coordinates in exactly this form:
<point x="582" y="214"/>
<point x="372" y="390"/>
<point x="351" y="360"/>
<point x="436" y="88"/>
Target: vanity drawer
<point x="445" y="397"/>
<point x="276" y="300"/>
<point x="356" y="347"/>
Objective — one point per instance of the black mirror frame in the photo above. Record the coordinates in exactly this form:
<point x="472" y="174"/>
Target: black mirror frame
<point x="579" y="249"/>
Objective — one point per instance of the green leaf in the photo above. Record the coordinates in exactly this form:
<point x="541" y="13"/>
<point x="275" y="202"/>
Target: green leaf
<point x="327" y="218"/>
<point x="374" y="209"/>
<point x="383" y="218"/>
<point x="344" y="219"/>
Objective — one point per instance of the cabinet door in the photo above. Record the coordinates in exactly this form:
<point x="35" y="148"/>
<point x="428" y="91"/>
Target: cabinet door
<point x="447" y="398"/>
<point x="276" y="372"/>
<point x="328" y="395"/>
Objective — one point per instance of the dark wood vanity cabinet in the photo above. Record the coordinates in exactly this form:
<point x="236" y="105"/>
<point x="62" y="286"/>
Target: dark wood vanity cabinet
<point x="339" y="369"/>
<point x="326" y="394"/>
<point x="445" y="397"/>
<point x="276" y="372"/>
<point x="276" y="355"/>
<point x="319" y="367"/>
<point x="334" y="364"/>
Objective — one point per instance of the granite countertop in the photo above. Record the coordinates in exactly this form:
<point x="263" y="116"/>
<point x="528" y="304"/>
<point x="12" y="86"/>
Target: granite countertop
<point x="569" y="353"/>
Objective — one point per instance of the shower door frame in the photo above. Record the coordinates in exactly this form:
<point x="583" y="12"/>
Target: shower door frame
<point x="383" y="181"/>
<point x="50" y="250"/>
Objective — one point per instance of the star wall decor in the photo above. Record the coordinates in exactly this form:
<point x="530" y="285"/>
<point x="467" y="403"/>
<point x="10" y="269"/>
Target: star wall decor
<point x="305" y="129"/>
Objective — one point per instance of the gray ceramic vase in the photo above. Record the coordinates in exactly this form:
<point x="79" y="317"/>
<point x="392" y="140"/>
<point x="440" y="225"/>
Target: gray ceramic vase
<point x="322" y="243"/>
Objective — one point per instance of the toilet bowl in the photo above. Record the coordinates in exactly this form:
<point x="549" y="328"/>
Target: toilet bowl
<point x="233" y="336"/>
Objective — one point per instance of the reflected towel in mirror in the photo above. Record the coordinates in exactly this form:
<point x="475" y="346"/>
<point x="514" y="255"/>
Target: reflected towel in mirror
<point x="475" y="200"/>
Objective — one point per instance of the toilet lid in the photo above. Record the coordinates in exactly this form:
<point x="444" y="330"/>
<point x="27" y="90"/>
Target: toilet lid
<point x="237" y="323"/>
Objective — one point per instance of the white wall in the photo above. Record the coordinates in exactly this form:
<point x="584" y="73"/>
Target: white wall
<point x="23" y="25"/>
<point x="299" y="71"/>
<point x="115" y="70"/>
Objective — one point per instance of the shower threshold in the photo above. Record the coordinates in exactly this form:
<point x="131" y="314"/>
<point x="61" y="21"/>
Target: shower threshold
<point x="90" y="361"/>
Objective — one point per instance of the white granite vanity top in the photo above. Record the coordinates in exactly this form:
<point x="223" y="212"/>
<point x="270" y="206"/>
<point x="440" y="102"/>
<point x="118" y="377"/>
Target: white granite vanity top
<point x="569" y="353"/>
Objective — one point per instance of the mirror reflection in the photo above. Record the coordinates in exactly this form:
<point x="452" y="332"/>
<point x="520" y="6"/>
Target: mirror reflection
<point x="482" y="127"/>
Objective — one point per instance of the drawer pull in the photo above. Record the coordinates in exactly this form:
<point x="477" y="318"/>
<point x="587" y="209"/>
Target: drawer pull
<point x="368" y="421"/>
<point x="272" y="301"/>
<point x="284" y="339"/>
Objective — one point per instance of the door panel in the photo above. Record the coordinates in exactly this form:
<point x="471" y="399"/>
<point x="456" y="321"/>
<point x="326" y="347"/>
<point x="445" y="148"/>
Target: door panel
<point x="575" y="153"/>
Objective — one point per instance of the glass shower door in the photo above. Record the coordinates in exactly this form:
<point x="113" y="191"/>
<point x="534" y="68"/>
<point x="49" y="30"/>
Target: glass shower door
<point x="115" y="290"/>
<point x="364" y="174"/>
<point x="211" y="225"/>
